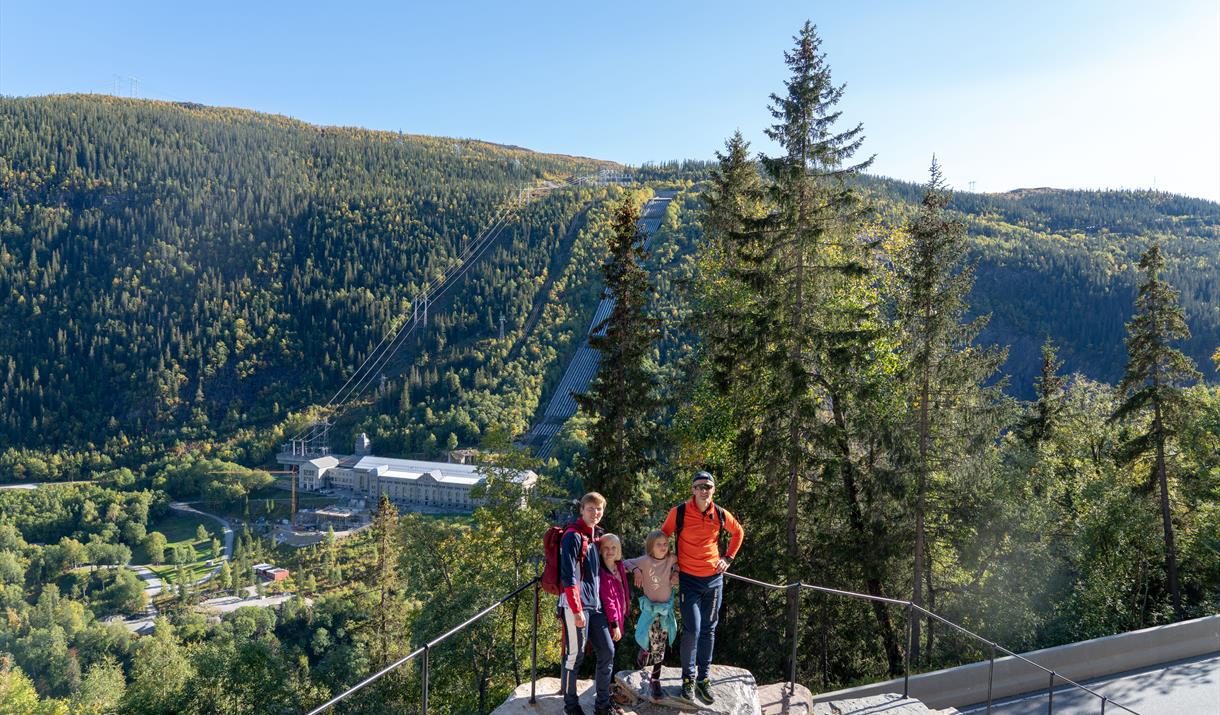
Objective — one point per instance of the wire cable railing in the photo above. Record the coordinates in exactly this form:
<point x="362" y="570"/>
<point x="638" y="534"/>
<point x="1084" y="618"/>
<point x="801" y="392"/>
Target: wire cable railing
<point x="911" y="608"/>
<point x="425" y="651"/>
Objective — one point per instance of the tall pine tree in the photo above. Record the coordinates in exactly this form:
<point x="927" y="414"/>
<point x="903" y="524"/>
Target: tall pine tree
<point x="622" y="399"/>
<point x="789" y="249"/>
<point x="716" y="411"/>
<point x="732" y="201"/>
<point x="1152" y="383"/>
<point x="390" y="628"/>
<point x="1049" y="397"/>
<point x="946" y="370"/>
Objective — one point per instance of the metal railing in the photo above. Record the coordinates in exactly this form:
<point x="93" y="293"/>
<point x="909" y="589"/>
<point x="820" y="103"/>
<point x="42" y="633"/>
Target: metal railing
<point x="910" y="609"/>
<point x="426" y="649"/>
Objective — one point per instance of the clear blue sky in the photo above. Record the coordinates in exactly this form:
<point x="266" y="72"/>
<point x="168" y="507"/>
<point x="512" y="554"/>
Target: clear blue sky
<point x="1092" y="94"/>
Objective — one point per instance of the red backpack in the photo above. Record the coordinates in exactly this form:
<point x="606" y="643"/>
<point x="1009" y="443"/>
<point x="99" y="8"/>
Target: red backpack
<point x="550" y="548"/>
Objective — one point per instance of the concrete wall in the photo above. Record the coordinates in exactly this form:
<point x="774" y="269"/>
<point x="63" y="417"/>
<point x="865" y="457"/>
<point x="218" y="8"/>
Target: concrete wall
<point x="967" y="684"/>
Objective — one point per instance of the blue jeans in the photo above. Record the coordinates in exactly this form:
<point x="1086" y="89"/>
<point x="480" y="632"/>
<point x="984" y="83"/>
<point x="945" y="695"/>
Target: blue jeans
<point x="597" y="632"/>
<point x="700" y="597"/>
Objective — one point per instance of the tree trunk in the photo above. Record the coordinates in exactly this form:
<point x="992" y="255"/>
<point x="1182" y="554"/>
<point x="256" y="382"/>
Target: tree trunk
<point x="793" y="594"/>
<point x="516" y="661"/>
<point x="794" y="426"/>
<point x="931" y="606"/>
<point x="1162" y="475"/>
<point x="920" y="488"/>
<point x="872" y="571"/>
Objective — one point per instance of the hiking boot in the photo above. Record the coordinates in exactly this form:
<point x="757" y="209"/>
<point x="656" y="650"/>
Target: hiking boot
<point x="703" y="688"/>
<point x="688" y="689"/>
<point x="654" y="688"/>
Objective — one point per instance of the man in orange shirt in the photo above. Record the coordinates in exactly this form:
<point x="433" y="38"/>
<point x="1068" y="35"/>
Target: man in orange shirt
<point x="697" y="524"/>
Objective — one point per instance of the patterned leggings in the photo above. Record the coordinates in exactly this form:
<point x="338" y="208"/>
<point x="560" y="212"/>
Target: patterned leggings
<point x="657" y="640"/>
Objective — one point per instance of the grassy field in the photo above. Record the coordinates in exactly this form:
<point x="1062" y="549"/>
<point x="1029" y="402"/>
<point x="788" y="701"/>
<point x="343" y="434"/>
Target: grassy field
<point x="169" y="573"/>
<point x="179" y="529"/>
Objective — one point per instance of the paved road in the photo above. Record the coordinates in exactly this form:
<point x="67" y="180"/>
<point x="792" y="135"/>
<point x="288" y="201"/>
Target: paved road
<point x="152" y="589"/>
<point x="1184" y="687"/>
<point x="228" y="604"/>
<point x="38" y="485"/>
<point x="228" y="537"/>
<point x="152" y="584"/>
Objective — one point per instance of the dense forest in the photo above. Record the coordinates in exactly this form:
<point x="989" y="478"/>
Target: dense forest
<point x="902" y="390"/>
<point x="1062" y="265"/>
<point x="177" y="271"/>
<point x="184" y="274"/>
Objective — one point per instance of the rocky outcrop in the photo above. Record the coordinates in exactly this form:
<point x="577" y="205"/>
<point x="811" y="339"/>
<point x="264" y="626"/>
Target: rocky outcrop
<point x="734" y="689"/>
<point x="781" y="698"/>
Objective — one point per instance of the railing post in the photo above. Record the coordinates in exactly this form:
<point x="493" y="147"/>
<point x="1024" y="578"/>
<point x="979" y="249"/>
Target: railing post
<point x="425" y="680"/>
<point x="1104" y="699"/>
<point x="990" y="677"/>
<point x="1050" y="696"/>
<point x="795" y="620"/>
<point x="534" y="646"/>
<point x="906" y="678"/>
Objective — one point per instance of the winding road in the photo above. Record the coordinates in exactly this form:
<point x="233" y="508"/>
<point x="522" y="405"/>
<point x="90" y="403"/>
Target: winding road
<point x="227" y="530"/>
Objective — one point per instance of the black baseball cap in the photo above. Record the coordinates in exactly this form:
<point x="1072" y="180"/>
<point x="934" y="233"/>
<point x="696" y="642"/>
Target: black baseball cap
<point x="704" y="476"/>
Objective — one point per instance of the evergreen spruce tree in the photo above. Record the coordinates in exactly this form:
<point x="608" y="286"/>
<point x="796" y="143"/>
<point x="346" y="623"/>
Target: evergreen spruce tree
<point x="732" y="201"/>
<point x="225" y="576"/>
<point x="404" y="399"/>
<point x="1156" y="372"/>
<point x="622" y="399"/>
<point x="389" y="621"/>
<point x="1048" y="403"/>
<point x="718" y="409"/>
<point x="790" y="263"/>
<point x="946" y="371"/>
<point x="784" y="324"/>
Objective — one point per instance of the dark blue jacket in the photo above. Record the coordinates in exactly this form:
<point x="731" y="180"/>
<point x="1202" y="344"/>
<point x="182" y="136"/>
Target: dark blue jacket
<point x="573" y="573"/>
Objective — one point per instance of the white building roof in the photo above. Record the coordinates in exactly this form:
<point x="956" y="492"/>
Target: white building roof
<point x="412" y="470"/>
<point x="323" y="462"/>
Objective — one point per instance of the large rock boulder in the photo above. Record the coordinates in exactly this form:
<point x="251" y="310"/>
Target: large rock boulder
<point x="734" y="690"/>
<point x="549" y="702"/>
<point x="780" y="698"/>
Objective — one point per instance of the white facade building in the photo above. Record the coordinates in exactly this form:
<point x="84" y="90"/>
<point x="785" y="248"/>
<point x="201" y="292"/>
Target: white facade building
<point x="407" y="482"/>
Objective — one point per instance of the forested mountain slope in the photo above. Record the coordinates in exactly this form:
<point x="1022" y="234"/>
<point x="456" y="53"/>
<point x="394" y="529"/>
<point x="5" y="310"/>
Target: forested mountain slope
<point x="169" y="267"/>
<point x="174" y="272"/>
<point x="1062" y="264"/>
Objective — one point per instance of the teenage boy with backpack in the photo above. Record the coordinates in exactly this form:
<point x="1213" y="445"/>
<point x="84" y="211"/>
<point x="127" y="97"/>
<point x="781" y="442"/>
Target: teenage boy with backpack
<point x="580" y="609"/>
<point x="697" y="524"/>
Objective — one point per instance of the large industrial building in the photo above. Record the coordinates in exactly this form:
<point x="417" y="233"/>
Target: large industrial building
<point x="407" y="482"/>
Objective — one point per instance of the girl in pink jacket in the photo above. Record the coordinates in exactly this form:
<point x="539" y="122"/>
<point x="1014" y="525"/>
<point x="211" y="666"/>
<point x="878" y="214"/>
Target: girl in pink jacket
<point x="613" y="585"/>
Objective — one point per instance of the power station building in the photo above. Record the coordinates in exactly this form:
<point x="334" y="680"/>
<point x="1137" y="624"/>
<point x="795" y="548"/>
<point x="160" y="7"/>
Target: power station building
<point x="407" y="482"/>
